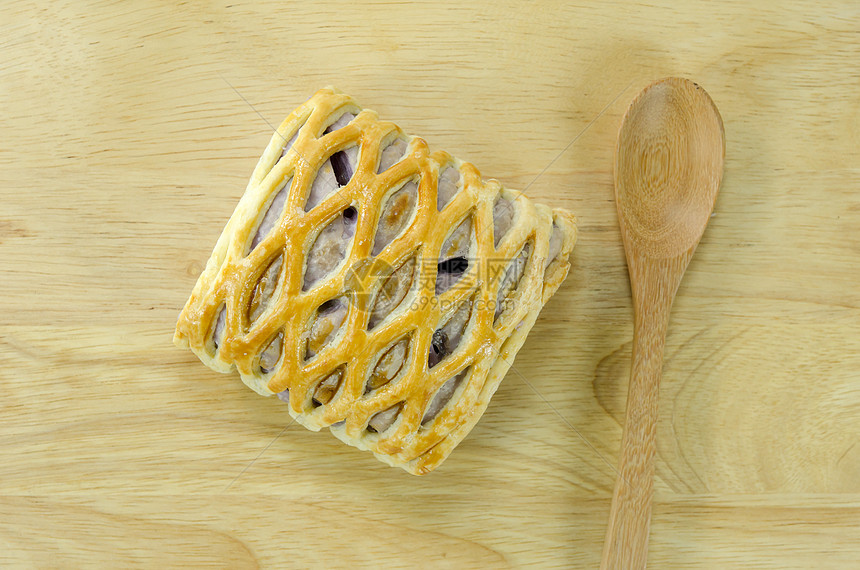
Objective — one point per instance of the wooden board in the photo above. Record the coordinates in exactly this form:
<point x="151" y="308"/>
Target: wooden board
<point x="128" y="133"/>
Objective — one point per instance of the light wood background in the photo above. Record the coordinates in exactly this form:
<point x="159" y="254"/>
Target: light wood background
<point x="124" y="149"/>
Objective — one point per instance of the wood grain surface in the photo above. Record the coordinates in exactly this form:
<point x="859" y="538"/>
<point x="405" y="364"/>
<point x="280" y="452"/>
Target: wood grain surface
<point x="129" y="130"/>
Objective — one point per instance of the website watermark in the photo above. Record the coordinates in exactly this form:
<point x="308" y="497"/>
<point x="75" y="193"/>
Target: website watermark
<point x="373" y="281"/>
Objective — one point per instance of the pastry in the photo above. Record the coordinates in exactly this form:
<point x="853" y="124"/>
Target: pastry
<point x="379" y="289"/>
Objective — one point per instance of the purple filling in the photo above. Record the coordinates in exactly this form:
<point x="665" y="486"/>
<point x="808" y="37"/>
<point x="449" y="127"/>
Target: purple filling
<point x="342" y="168"/>
<point x="396" y="215"/>
<point x="271" y="355"/>
<point x="503" y="217"/>
<point x="220" y="322"/>
<point x="264" y="291"/>
<point x="447" y="338"/>
<point x="511" y="279"/>
<point x="272" y="215"/>
<point x="335" y="172"/>
<point x="453" y="259"/>
<point x="329" y="318"/>
<point x="555" y="242"/>
<point x="330" y="247"/>
<point x="391" y="155"/>
<point x="326" y="390"/>
<point x="383" y="420"/>
<point x="392" y="292"/>
<point x="442" y="397"/>
<point x="388" y="366"/>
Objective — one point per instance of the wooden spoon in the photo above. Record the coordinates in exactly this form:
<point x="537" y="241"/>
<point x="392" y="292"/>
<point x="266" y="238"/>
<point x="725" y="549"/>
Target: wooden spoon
<point x="668" y="167"/>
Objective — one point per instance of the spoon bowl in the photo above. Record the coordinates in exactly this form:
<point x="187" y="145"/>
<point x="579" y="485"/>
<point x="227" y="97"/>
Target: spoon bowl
<point x="668" y="168"/>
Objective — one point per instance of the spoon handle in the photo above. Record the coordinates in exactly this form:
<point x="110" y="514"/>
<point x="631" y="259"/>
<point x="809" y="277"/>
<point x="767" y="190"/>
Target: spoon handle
<point x="654" y="286"/>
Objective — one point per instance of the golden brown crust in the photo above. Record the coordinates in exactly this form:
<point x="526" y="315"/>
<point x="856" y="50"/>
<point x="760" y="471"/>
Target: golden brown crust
<point x="234" y="270"/>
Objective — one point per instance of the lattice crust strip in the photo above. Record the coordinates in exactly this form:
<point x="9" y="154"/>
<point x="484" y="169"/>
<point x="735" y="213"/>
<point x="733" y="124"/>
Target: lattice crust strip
<point x="381" y="290"/>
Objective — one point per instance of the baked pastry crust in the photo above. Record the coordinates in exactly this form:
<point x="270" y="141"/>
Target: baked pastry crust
<point x="271" y="313"/>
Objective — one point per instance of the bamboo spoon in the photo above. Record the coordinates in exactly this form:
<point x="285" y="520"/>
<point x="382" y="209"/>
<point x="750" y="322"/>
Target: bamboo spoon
<point x="668" y="167"/>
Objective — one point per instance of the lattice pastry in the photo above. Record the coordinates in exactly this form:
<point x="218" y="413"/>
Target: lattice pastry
<point x="379" y="289"/>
